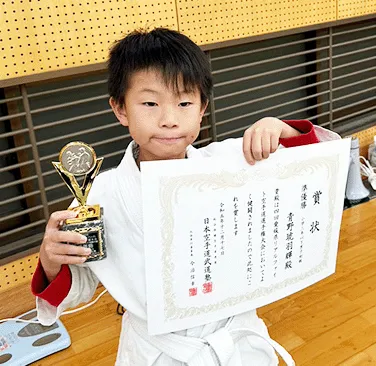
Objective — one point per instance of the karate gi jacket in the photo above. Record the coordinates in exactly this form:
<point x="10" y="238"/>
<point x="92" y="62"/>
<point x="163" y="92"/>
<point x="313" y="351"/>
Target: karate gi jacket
<point x="242" y="340"/>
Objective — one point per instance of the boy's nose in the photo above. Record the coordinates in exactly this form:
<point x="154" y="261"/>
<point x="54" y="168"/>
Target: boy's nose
<point x="168" y="119"/>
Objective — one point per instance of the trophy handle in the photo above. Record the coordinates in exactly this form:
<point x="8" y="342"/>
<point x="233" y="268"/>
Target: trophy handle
<point x="79" y="192"/>
<point x="89" y="178"/>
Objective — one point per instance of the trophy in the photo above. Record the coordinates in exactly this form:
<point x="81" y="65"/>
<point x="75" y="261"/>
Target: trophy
<point x="78" y="166"/>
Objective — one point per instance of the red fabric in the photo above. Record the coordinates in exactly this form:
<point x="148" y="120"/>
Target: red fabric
<point x="58" y="289"/>
<point x="54" y="292"/>
<point x="307" y="137"/>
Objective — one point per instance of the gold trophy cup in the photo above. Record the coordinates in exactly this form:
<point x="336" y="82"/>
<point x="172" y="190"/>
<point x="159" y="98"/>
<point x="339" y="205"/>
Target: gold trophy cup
<point x="78" y="166"/>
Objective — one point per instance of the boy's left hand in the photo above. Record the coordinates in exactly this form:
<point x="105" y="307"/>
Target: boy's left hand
<point x="262" y="138"/>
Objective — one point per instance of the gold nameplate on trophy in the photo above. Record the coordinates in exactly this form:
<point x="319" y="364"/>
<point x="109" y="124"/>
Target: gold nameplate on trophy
<point x="78" y="166"/>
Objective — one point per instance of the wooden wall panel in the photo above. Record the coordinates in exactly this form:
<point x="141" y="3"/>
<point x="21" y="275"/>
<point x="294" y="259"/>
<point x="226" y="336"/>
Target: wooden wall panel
<point x="355" y="8"/>
<point x="211" y="21"/>
<point x="38" y="36"/>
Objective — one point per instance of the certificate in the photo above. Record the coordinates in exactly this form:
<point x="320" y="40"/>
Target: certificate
<point x="223" y="237"/>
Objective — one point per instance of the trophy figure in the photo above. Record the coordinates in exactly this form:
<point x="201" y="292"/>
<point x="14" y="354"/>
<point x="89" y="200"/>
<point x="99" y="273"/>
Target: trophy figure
<point x="78" y="166"/>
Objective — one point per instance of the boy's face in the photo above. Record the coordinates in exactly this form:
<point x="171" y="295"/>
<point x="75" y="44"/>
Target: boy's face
<point x="161" y="122"/>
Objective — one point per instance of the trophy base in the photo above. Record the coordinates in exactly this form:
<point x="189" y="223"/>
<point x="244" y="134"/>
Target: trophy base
<point x="94" y="231"/>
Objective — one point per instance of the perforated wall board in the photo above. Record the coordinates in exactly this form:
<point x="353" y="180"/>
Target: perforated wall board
<point x="355" y="8"/>
<point x="17" y="272"/>
<point x="38" y="36"/>
<point x="211" y="21"/>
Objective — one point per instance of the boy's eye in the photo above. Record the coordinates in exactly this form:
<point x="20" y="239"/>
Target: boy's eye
<point x="185" y="104"/>
<point x="150" y="104"/>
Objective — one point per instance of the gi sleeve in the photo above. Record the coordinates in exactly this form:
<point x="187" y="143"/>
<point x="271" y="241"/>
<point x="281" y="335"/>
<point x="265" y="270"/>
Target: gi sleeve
<point x="310" y="134"/>
<point x="73" y="285"/>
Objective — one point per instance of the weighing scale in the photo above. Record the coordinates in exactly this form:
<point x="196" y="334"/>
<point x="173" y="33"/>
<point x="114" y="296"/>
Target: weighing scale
<point x="24" y="343"/>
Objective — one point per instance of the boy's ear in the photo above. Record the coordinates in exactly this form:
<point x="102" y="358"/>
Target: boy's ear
<point x="203" y="109"/>
<point x="119" y="112"/>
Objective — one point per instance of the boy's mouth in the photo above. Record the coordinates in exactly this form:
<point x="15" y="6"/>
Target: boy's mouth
<point x="168" y="140"/>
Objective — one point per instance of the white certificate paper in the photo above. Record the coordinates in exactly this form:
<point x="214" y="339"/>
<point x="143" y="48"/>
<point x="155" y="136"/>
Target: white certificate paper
<point x="223" y="237"/>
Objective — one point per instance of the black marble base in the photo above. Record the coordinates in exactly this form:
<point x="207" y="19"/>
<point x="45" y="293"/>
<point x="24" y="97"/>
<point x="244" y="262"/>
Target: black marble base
<point x="94" y="231"/>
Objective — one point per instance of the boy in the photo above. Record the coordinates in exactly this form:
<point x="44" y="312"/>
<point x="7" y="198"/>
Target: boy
<point x="159" y="85"/>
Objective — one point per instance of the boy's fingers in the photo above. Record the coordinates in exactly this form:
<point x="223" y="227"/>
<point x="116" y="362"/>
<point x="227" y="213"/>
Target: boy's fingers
<point x="256" y="145"/>
<point x="68" y="237"/>
<point x="68" y="249"/>
<point x="274" y="142"/>
<point x="57" y="217"/>
<point x="247" y="141"/>
<point x="265" y="142"/>
<point x="69" y="259"/>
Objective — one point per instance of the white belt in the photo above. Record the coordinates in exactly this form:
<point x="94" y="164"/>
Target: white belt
<point x="212" y="350"/>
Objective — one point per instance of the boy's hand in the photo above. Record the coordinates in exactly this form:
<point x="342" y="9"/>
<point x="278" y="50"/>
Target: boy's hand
<point x="54" y="252"/>
<point x="262" y="138"/>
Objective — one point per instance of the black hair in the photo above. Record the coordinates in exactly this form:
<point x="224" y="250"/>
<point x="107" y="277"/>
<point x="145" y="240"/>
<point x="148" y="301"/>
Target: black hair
<point x="167" y="51"/>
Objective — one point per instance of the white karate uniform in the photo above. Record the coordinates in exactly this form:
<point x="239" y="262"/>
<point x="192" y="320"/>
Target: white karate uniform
<point x="242" y="340"/>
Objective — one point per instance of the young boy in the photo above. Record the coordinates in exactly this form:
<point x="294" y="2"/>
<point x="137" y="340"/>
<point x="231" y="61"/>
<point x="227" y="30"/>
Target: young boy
<point x="159" y="85"/>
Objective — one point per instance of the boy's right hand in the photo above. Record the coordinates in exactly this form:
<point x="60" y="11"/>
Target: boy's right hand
<point x="54" y="251"/>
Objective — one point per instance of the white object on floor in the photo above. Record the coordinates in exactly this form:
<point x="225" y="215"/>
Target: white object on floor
<point x="22" y="344"/>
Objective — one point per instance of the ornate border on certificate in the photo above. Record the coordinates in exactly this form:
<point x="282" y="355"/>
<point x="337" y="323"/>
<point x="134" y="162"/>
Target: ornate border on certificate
<point x="168" y="194"/>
